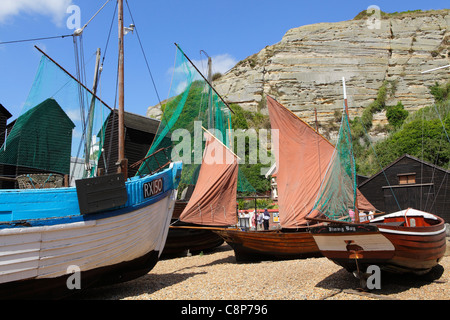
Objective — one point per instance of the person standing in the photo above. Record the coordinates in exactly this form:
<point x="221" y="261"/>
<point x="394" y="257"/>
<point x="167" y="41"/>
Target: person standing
<point x="260" y="221"/>
<point x="266" y="218"/>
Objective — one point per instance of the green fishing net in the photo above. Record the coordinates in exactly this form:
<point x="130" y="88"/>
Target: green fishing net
<point x="337" y="192"/>
<point x="54" y="131"/>
<point x="192" y="104"/>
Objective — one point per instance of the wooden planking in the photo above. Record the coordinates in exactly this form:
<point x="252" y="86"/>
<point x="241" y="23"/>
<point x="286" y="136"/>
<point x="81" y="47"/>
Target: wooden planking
<point x="117" y="242"/>
<point x="408" y="253"/>
<point x="44" y="252"/>
<point x="418" y="248"/>
<point x="295" y="243"/>
<point x="376" y="188"/>
<point x="139" y="134"/>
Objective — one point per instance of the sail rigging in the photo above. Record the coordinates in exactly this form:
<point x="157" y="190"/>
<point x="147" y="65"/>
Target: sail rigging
<point x="213" y="202"/>
<point x="303" y="159"/>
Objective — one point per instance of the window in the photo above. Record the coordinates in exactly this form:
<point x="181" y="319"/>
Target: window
<point x="406" y="178"/>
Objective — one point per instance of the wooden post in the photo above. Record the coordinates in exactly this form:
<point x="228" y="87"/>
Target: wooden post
<point x="211" y="108"/>
<point x="123" y="163"/>
<point x="317" y="124"/>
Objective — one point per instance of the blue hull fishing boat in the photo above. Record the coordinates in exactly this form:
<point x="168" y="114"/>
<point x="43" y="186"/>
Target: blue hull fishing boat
<point x="49" y="248"/>
<point x="100" y="229"/>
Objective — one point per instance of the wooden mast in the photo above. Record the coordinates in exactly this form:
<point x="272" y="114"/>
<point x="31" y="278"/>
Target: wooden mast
<point x="346" y="112"/>
<point x="122" y="162"/>
<point x="210" y="97"/>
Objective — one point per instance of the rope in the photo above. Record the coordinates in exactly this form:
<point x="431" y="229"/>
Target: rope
<point x="142" y="48"/>
<point x="31" y="180"/>
<point x="35" y="39"/>
<point x="80" y="31"/>
<point x="376" y="157"/>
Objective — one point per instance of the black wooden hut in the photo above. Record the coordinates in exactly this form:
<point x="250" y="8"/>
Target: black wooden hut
<point x="4" y="116"/>
<point x="39" y="141"/>
<point x="139" y="134"/>
<point x="409" y="182"/>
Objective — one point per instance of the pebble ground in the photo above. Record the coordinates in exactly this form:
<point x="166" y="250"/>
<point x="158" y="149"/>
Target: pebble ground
<point x="216" y="276"/>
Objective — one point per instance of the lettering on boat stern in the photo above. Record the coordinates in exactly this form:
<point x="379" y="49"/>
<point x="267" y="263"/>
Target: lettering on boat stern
<point x="153" y="187"/>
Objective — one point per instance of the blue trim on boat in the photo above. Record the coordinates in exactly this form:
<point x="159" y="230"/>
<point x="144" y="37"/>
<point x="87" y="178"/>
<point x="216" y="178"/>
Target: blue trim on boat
<point x="79" y="218"/>
<point x="42" y="207"/>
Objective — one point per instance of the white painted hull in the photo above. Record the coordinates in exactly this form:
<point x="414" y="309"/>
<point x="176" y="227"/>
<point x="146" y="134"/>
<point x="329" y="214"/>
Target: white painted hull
<point x="368" y="242"/>
<point x="44" y="252"/>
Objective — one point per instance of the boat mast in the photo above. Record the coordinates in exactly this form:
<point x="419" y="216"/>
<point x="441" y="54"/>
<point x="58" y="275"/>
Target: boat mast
<point x="91" y="116"/>
<point x="121" y="161"/>
<point x="346" y="112"/>
<point x="210" y="97"/>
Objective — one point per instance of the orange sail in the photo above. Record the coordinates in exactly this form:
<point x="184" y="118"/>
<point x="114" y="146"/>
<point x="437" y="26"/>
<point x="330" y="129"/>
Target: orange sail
<point x="213" y="202"/>
<point x="302" y="162"/>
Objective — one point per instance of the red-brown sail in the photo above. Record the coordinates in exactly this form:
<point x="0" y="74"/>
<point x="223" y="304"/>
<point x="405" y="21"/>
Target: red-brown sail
<point x="213" y="202"/>
<point x="303" y="158"/>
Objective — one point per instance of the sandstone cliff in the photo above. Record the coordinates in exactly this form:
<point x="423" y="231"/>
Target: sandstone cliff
<point x="304" y="70"/>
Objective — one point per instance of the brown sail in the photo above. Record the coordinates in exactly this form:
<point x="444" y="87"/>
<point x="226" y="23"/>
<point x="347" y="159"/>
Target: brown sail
<point x="213" y="202"/>
<point x="303" y="158"/>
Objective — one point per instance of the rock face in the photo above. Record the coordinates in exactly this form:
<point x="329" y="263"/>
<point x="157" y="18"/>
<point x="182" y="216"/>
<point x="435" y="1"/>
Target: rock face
<point x="304" y="70"/>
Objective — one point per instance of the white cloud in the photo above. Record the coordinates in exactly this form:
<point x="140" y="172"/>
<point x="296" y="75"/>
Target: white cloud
<point x="220" y="63"/>
<point x="55" y="9"/>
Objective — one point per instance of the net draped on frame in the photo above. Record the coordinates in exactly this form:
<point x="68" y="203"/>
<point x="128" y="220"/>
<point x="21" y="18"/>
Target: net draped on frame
<point x="338" y="190"/>
<point x="192" y="104"/>
<point x="55" y="125"/>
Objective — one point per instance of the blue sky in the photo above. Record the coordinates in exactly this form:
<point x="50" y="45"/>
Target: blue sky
<point x="228" y="31"/>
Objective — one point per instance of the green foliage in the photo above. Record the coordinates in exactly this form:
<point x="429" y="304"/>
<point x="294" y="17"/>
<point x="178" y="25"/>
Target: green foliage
<point x="244" y="119"/>
<point x="364" y="14"/>
<point x="253" y="174"/>
<point x="249" y="204"/>
<point x="419" y="134"/>
<point x="440" y="92"/>
<point x="240" y="116"/>
<point x="422" y="139"/>
<point x="396" y="115"/>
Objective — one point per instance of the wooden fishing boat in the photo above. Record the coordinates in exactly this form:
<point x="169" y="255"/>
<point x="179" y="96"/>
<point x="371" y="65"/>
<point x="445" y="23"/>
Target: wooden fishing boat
<point x="184" y="237"/>
<point x="48" y="238"/>
<point x="57" y="241"/>
<point x="302" y="159"/>
<point x="270" y="244"/>
<point x="407" y="241"/>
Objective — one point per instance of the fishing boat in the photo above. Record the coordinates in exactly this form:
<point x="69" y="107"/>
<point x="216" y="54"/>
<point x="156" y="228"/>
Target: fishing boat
<point x="58" y="241"/>
<point x="407" y="241"/>
<point x="185" y="238"/>
<point x="213" y="203"/>
<point x="302" y="159"/>
<point x="198" y="103"/>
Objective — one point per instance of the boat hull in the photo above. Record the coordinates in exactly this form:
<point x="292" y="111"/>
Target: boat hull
<point x="180" y="240"/>
<point x="38" y="256"/>
<point x="194" y="240"/>
<point x="270" y="245"/>
<point x="394" y="248"/>
<point x="57" y="288"/>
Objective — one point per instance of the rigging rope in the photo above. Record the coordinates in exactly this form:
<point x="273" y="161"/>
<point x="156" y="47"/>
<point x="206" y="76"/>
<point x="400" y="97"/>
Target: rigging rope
<point x="142" y="48"/>
<point x="35" y="39"/>
<point x="80" y="31"/>
<point x="382" y="169"/>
